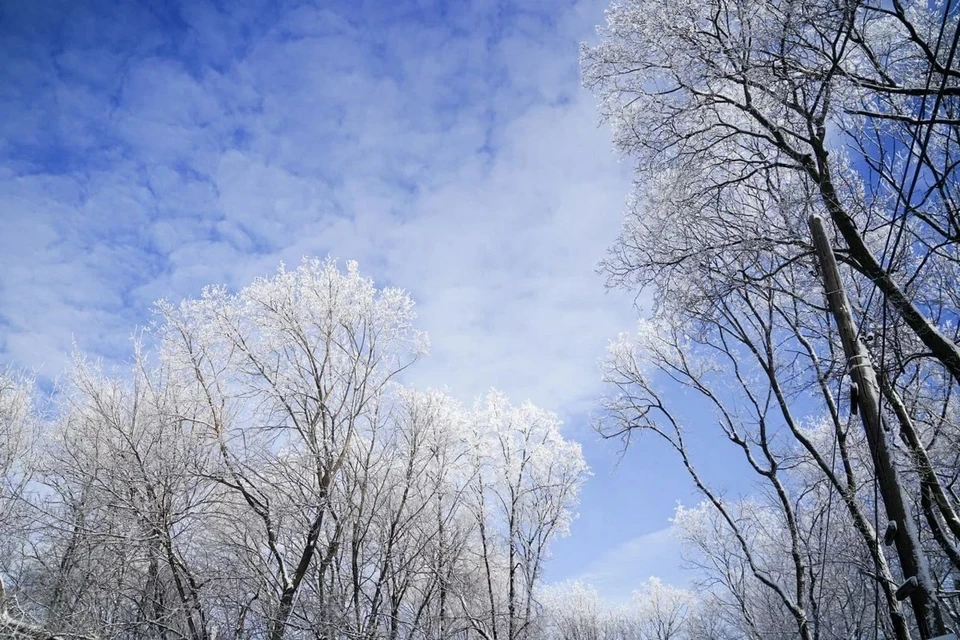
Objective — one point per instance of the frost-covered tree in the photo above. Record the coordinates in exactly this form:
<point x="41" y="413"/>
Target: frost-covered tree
<point x="733" y="109"/>
<point x="744" y="119"/>
<point x="293" y="369"/>
<point x="525" y="487"/>
<point x="656" y="611"/>
<point x="260" y="471"/>
<point x="660" y="612"/>
<point x="574" y="611"/>
<point x="19" y="430"/>
<point x="121" y="511"/>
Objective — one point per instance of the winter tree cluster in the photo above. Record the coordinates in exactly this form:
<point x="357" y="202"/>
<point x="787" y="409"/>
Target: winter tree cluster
<point x="574" y="611"/>
<point x="745" y="118"/>
<point x="260" y="473"/>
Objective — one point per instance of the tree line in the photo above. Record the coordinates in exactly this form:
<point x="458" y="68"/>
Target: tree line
<point x="261" y="473"/>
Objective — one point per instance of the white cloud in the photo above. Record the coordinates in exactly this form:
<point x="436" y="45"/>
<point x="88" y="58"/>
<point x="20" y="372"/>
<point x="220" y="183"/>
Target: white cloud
<point x="448" y="167"/>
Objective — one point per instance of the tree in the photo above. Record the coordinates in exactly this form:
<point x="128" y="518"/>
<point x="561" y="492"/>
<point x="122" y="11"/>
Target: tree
<point x="657" y="611"/>
<point x="723" y="102"/>
<point x="260" y="471"/>
<point x="574" y="611"/>
<point x="745" y="118"/>
<point x="527" y="481"/>
<point x="300" y="360"/>
<point x="660" y="612"/>
<point x="18" y="435"/>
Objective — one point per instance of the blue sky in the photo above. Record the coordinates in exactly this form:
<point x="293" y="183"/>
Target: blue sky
<point x="148" y="150"/>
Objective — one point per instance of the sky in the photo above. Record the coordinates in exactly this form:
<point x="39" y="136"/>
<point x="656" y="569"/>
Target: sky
<point x="149" y="149"/>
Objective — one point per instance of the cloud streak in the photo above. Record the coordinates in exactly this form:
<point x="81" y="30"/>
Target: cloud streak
<point x="621" y="570"/>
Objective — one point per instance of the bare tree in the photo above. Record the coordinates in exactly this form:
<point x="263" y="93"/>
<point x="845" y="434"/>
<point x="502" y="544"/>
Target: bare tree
<point x="527" y="481"/>
<point x="296" y="362"/>
<point x="745" y="118"/>
<point x="260" y="472"/>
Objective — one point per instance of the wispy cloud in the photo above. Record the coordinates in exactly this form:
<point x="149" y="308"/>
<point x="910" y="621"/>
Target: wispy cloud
<point x="621" y="570"/>
<point x="451" y="153"/>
